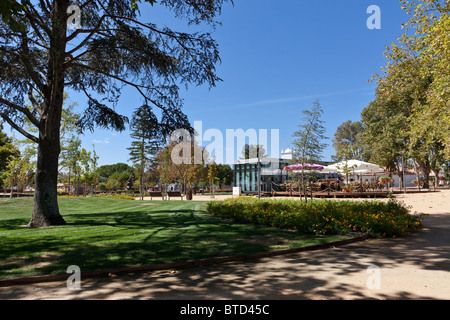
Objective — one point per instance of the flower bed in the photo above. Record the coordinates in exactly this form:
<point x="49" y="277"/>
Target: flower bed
<point x="378" y="219"/>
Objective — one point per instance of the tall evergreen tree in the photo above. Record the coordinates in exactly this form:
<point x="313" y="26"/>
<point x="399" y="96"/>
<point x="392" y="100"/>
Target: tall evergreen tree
<point x="147" y="136"/>
<point x="7" y="151"/>
<point x="309" y="145"/>
<point x="112" y="48"/>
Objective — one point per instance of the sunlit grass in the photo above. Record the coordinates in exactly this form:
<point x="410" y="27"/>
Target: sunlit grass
<point x="105" y="234"/>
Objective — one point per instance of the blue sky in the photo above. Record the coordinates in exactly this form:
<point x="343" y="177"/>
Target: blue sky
<point x="277" y="58"/>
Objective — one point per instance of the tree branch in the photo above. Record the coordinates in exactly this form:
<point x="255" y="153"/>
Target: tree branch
<point x="15" y="126"/>
<point x="137" y="87"/>
<point x="36" y="18"/>
<point x="24" y="110"/>
<point x="91" y="33"/>
<point x="33" y="75"/>
<point x="36" y="105"/>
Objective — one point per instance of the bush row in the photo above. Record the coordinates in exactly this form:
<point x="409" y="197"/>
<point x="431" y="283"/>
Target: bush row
<point x="321" y="217"/>
<point x="103" y="196"/>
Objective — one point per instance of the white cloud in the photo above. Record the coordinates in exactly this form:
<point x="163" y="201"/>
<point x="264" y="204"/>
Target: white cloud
<point x="105" y="141"/>
<point x="291" y="99"/>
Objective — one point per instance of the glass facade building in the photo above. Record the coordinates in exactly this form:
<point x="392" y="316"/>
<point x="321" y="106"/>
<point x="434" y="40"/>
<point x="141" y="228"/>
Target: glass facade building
<point x="270" y="170"/>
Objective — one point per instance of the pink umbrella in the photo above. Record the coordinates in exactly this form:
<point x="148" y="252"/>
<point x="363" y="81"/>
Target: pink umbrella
<point x="307" y="166"/>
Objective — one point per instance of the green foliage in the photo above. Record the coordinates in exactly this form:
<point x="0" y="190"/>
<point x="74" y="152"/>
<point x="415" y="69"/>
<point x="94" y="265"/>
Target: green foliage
<point x="117" y="181"/>
<point x="2" y="179"/>
<point x="19" y="169"/>
<point x="421" y="55"/>
<point x="106" y="171"/>
<point x="376" y="218"/>
<point x="134" y="3"/>
<point x="309" y="145"/>
<point x="348" y="144"/>
<point x="102" y="186"/>
<point x="115" y="48"/>
<point x="12" y="12"/>
<point x="190" y="165"/>
<point x="250" y="151"/>
<point x="390" y="121"/>
<point x="7" y="149"/>
<point x="386" y="128"/>
<point x="148" y="137"/>
<point x="224" y="174"/>
<point x="410" y="112"/>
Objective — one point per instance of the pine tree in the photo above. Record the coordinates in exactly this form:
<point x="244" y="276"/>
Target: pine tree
<point x="147" y="135"/>
<point x="309" y="144"/>
<point x="8" y="151"/>
<point x="113" y="47"/>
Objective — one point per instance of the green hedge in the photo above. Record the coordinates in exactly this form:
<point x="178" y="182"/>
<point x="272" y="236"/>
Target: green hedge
<point x="331" y="217"/>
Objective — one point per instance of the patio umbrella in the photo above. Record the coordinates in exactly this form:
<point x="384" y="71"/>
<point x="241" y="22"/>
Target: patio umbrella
<point x="329" y="169"/>
<point x="356" y="166"/>
<point x="306" y="166"/>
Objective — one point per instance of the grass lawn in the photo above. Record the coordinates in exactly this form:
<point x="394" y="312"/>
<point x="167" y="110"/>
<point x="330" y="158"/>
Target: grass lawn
<point x="105" y="234"/>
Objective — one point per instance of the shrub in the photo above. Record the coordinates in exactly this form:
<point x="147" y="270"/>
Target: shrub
<point x="102" y="186"/>
<point x="118" y="197"/>
<point x="378" y="219"/>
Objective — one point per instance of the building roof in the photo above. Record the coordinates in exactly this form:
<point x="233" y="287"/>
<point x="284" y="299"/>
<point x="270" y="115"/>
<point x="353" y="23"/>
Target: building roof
<point x="262" y="160"/>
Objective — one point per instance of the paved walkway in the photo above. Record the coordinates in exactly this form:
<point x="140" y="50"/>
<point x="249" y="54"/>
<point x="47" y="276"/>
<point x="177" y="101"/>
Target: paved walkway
<point x="415" y="267"/>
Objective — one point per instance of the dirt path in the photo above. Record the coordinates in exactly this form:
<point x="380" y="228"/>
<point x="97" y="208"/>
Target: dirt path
<point x="415" y="267"/>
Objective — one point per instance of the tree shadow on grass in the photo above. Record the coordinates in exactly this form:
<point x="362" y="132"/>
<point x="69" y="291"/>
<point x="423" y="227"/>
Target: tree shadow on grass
<point x="114" y="240"/>
<point x="13" y="224"/>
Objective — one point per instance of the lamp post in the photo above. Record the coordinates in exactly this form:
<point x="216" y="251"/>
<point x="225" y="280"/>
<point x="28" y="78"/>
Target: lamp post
<point x="259" y="175"/>
<point x="403" y="170"/>
<point x="258" y="149"/>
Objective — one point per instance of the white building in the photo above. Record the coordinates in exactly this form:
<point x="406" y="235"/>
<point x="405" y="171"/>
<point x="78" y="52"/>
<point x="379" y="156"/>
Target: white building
<point x="287" y="154"/>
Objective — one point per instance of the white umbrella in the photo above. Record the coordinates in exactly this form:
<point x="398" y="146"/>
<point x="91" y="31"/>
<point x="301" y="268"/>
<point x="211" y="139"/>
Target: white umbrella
<point x="375" y="170"/>
<point x="356" y="166"/>
<point x="329" y="169"/>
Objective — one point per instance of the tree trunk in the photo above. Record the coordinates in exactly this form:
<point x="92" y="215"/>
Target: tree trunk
<point x="68" y="189"/>
<point x="141" y="187"/>
<point x="426" y="178"/>
<point x="400" y="175"/>
<point x="416" y="170"/>
<point x="46" y="210"/>
<point x="425" y="168"/>
<point x="436" y="178"/>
